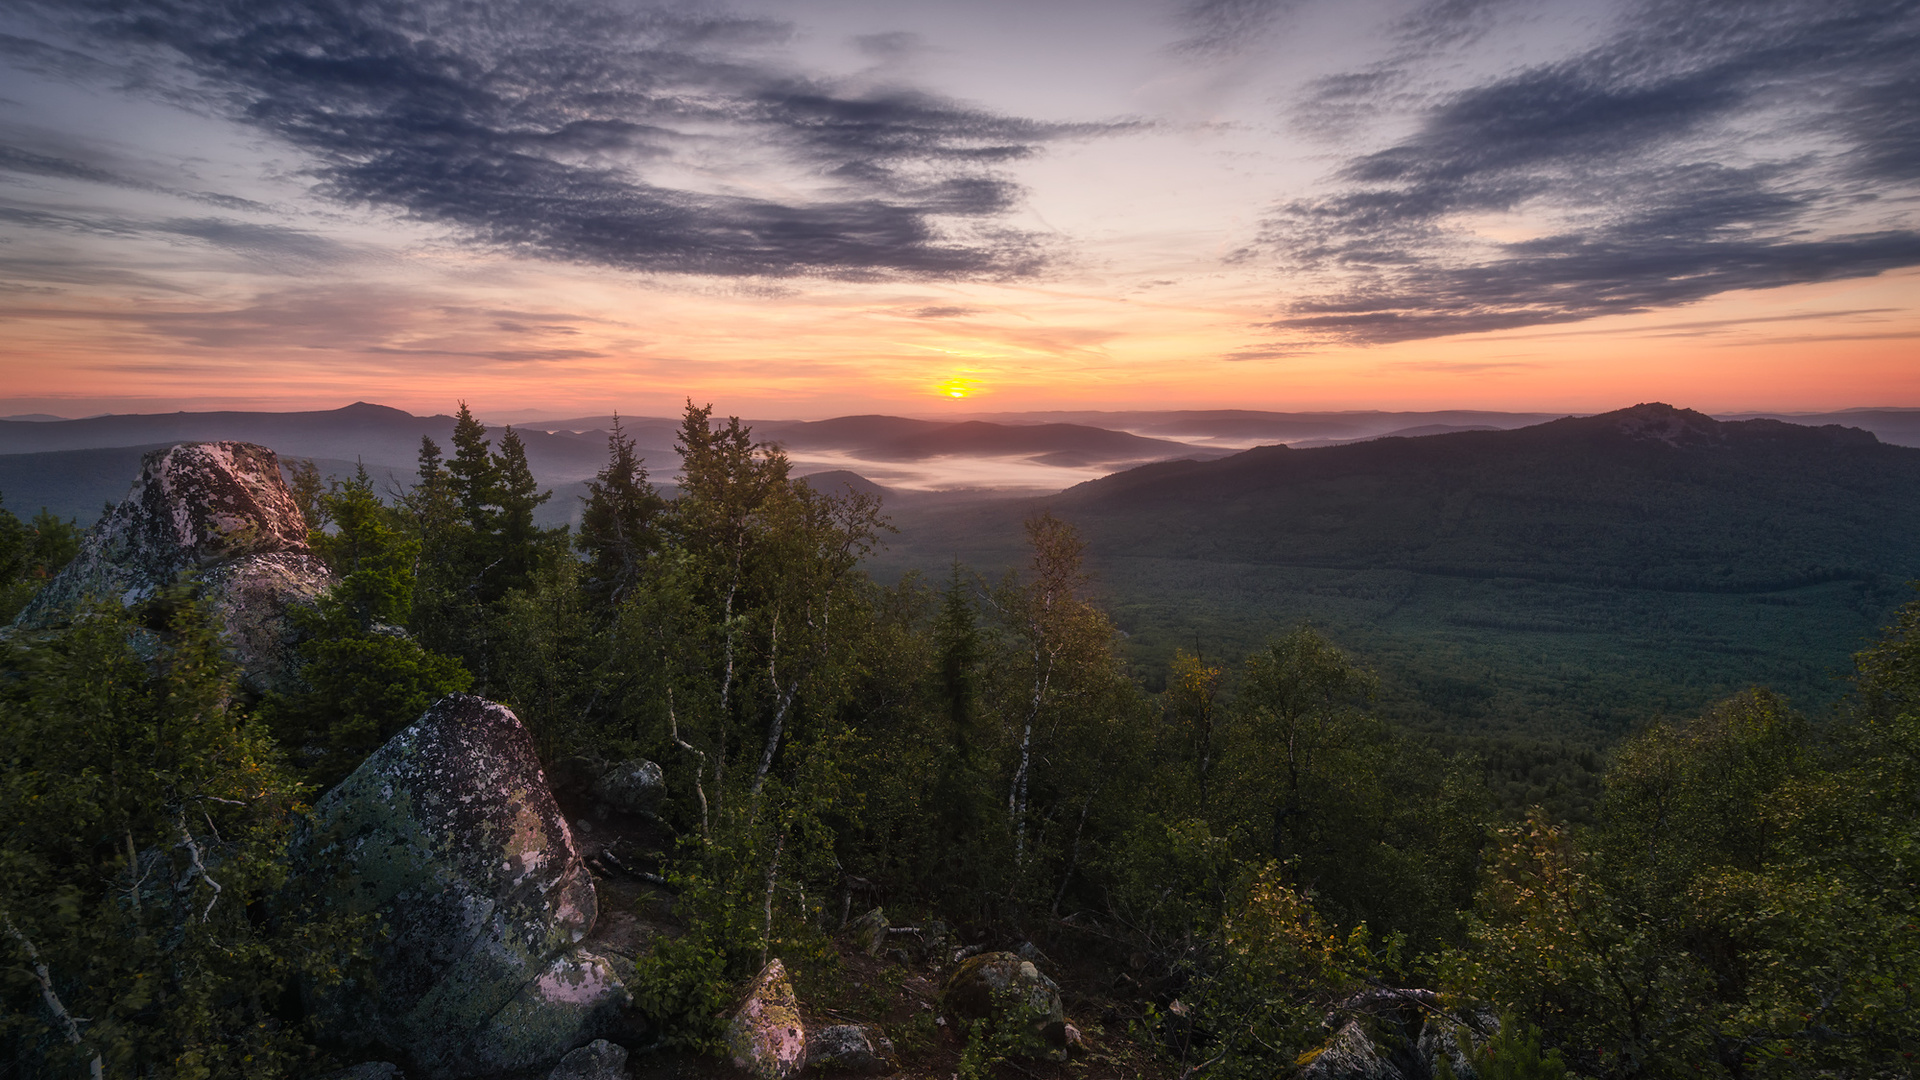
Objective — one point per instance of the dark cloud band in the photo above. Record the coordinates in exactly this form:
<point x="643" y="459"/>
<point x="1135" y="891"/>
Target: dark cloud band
<point x="546" y="128"/>
<point x="1710" y="147"/>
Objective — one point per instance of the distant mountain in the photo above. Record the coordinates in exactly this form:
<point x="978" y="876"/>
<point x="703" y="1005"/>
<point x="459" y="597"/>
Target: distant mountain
<point x="374" y="433"/>
<point x="1898" y="426"/>
<point x="1246" y="427"/>
<point x="841" y="481"/>
<point x="1648" y="497"/>
<point x="1579" y="574"/>
<point x="894" y="438"/>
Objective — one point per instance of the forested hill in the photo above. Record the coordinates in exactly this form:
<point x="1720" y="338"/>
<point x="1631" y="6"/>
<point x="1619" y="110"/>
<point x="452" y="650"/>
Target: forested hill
<point x="1651" y="497"/>
<point x="1561" y="581"/>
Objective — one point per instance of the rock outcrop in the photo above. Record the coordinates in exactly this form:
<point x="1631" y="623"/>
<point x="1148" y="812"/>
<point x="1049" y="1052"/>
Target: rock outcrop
<point x="766" y="1036"/>
<point x="1392" y="1034"/>
<point x="1011" y="994"/>
<point x="449" y="835"/>
<point x="223" y="510"/>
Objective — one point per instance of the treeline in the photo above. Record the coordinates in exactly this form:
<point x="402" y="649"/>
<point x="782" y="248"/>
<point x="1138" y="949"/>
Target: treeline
<point x="1250" y="843"/>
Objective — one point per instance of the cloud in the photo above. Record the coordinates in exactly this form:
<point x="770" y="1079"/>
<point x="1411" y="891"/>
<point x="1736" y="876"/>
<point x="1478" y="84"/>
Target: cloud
<point x="270" y="248"/>
<point x="1710" y="148"/>
<point x="1221" y="29"/>
<point x="940" y="312"/>
<point x="890" y="47"/>
<point x="602" y="133"/>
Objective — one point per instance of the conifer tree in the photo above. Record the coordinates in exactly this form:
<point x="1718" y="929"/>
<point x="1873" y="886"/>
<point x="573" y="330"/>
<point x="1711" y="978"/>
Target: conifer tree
<point x="474" y="472"/>
<point x="618" y="526"/>
<point x="518" y="543"/>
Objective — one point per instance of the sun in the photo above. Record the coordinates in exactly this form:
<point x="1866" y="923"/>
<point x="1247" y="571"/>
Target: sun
<point x="955" y="388"/>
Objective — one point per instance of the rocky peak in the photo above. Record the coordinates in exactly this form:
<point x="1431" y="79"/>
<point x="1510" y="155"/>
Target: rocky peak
<point x="1659" y="422"/>
<point x="221" y="509"/>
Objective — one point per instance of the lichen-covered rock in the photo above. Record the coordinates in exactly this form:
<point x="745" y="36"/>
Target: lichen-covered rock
<point x="630" y="787"/>
<point x="1011" y="994"/>
<point x="598" y="1060"/>
<point x="855" y="1048"/>
<point x="766" y="1035"/>
<point x="219" y="508"/>
<point x="449" y="834"/>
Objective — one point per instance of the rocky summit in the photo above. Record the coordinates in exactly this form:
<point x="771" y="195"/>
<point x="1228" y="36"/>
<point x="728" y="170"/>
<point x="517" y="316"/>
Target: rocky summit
<point x="218" y="510"/>
<point x="449" y="835"/>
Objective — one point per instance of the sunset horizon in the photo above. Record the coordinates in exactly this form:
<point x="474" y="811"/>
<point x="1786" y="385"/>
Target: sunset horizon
<point x="815" y="210"/>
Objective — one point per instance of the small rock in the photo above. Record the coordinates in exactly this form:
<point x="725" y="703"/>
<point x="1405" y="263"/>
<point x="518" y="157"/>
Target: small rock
<point x="598" y="1060"/>
<point x="860" y="1048"/>
<point x="869" y="932"/>
<point x="630" y="787"/>
<point x="766" y="1036"/>
<point x="1077" y="1044"/>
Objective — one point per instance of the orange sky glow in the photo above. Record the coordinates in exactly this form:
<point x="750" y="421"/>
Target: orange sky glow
<point x="829" y="208"/>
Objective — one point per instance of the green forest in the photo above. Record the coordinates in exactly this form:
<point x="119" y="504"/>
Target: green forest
<point x="1231" y="846"/>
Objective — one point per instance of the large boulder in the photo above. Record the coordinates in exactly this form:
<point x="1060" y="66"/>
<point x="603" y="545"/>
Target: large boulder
<point x="221" y="509"/>
<point x="766" y="1036"/>
<point x="1010" y="994"/>
<point x="449" y="835"/>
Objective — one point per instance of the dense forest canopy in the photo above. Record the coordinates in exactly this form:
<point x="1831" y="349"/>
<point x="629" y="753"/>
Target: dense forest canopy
<point x="1250" y="842"/>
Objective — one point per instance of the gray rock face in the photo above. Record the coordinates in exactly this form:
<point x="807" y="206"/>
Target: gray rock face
<point x="856" y="1048"/>
<point x="220" y="508"/>
<point x="630" y="787"/>
<point x="598" y="1060"/>
<point x="449" y="834"/>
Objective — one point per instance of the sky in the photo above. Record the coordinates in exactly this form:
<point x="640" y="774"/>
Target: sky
<point x="812" y="208"/>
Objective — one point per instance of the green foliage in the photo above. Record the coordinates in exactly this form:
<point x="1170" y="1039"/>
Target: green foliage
<point x="30" y="554"/>
<point x="1512" y="1053"/>
<point x="1745" y="906"/>
<point x="1259" y="991"/>
<point x="364" y="678"/>
<point x="144" y="824"/>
